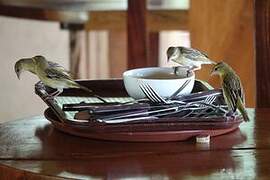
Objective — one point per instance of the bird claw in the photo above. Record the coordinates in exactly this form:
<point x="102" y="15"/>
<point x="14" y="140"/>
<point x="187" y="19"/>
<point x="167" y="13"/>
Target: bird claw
<point x="53" y="95"/>
<point x="49" y="97"/>
<point x="189" y="72"/>
<point x="230" y="114"/>
<point x="177" y="72"/>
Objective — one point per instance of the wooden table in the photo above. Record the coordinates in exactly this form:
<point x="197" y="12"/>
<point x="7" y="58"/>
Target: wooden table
<point x="32" y="148"/>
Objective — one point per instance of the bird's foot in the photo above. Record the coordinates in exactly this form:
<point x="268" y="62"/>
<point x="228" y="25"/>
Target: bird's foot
<point x="230" y="114"/>
<point x="178" y="70"/>
<point x="189" y="72"/>
<point x="175" y="70"/>
<point x="53" y="95"/>
<point x="49" y="97"/>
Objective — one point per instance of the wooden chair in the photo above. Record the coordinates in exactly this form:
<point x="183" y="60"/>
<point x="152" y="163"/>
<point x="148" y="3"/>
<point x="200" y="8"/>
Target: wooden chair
<point x="262" y="36"/>
<point x="77" y="16"/>
<point x="142" y="27"/>
<point x="224" y="29"/>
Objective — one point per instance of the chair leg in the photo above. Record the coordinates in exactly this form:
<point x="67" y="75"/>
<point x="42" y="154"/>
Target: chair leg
<point x="262" y="35"/>
<point x="75" y="38"/>
<point x="87" y="55"/>
<point x="153" y="47"/>
<point x="137" y="34"/>
<point x="117" y="53"/>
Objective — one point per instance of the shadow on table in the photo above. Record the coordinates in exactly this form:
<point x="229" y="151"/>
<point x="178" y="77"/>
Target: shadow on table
<point x="71" y="156"/>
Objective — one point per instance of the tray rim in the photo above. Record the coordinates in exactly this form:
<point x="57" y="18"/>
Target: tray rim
<point x="63" y="123"/>
<point x="142" y="136"/>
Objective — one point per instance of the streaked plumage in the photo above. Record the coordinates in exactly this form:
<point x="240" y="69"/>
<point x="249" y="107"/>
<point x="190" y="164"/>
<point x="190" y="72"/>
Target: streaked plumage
<point x="232" y="88"/>
<point x="58" y="67"/>
<point x="26" y="64"/>
<point x="50" y="73"/>
<point x="190" y="58"/>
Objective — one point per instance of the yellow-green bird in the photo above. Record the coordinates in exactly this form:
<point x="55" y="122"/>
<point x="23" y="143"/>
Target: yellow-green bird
<point x="233" y="92"/>
<point x="50" y="74"/>
<point x="190" y="58"/>
<point x="28" y="64"/>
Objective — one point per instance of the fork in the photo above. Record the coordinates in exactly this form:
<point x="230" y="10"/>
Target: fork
<point x="209" y="100"/>
<point x="180" y="89"/>
<point x="193" y="106"/>
<point x="154" y="97"/>
<point x="155" y="113"/>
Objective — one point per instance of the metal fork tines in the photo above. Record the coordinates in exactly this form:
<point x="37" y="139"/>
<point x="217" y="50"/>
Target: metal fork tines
<point x="196" y="108"/>
<point x="203" y="106"/>
<point x="153" y="96"/>
<point x="206" y="104"/>
<point x="208" y="108"/>
<point x="180" y="89"/>
<point x="207" y="101"/>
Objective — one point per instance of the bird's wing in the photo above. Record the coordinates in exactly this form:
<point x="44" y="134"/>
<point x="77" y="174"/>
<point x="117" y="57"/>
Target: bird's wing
<point x="54" y="73"/>
<point x="32" y="71"/>
<point x="233" y="90"/>
<point x="193" y="53"/>
<point x="58" y="66"/>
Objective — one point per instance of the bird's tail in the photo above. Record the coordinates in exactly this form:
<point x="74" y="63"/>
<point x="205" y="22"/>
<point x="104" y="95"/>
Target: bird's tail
<point x="243" y="111"/>
<point x="90" y="91"/>
<point x="207" y="61"/>
<point x="212" y="62"/>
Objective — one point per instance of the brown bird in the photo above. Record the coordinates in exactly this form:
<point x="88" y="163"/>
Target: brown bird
<point x="233" y="92"/>
<point x="50" y="74"/>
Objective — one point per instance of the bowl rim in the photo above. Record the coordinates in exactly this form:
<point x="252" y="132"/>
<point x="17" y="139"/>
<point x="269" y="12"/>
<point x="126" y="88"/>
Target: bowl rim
<point x="127" y="74"/>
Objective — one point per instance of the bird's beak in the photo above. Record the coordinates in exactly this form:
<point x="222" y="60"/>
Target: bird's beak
<point x="168" y="59"/>
<point x="18" y="74"/>
<point x="214" y="72"/>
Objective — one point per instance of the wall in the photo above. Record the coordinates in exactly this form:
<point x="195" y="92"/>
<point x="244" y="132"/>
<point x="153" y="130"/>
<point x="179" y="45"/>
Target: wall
<point x="25" y="38"/>
<point x="225" y="30"/>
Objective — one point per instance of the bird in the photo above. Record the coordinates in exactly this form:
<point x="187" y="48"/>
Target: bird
<point x="232" y="88"/>
<point x="50" y="74"/>
<point x="189" y="58"/>
<point x="28" y="64"/>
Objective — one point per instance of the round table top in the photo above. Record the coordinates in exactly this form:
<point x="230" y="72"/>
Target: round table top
<point x="31" y="147"/>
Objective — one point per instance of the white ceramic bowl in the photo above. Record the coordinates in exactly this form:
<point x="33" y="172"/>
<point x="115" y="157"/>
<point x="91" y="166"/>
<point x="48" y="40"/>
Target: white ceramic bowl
<point x="161" y="79"/>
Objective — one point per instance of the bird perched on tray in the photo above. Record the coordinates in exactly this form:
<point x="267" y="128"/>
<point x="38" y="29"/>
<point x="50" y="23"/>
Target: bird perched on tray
<point x="189" y="58"/>
<point x="50" y="74"/>
<point x="28" y="64"/>
<point x="233" y="92"/>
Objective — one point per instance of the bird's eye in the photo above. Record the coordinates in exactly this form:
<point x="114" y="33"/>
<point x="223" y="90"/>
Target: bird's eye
<point x="216" y="68"/>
